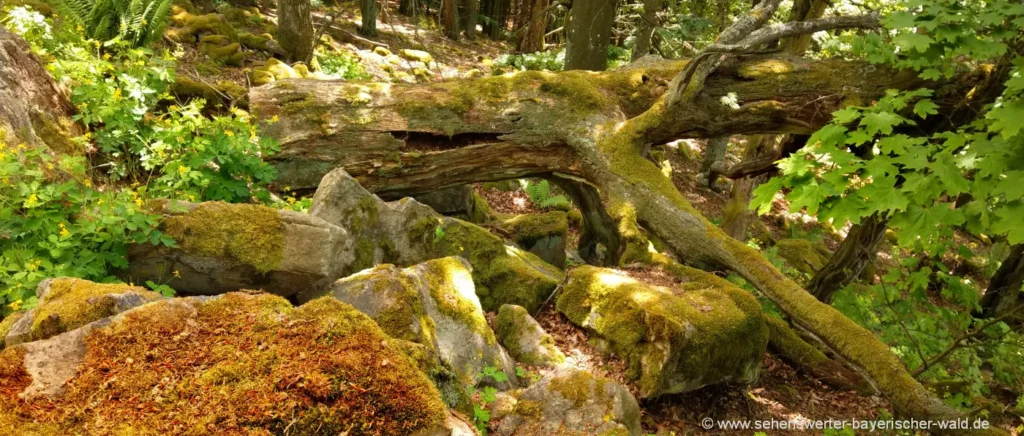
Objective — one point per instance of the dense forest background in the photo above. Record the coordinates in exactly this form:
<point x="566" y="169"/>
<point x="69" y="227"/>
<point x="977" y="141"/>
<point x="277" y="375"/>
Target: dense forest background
<point x="857" y="167"/>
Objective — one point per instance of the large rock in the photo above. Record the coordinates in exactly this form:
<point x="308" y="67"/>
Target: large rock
<point x="673" y="340"/>
<point x="406" y="232"/>
<point x="66" y="304"/>
<point x="225" y="247"/>
<point x="34" y="110"/>
<point x="543" y="234"/>
<point x="432" y="304"/>
<point x="524" y="338"/>
<point x="232" y="364"/>
<point x="572" y="401"/>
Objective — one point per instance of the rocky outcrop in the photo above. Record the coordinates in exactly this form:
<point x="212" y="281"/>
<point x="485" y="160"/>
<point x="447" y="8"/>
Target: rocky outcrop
<point x="406" y="232"/>
<point x="542" y="234"/>
<point x="572" y="401"/>
<point x="524" y="338"/>
<point x="34" y="110"/>
<point x="66" y="304"/>
<point x="225" y="247"/>
<point x="673" y="340"/>
<point x="432" y="304"/>
<point x="232" y="364"/>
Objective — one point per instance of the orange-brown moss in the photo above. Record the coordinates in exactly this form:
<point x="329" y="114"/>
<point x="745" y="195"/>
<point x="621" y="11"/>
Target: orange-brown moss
<point x="239" y="364"/>
<point x="72" y="303"/>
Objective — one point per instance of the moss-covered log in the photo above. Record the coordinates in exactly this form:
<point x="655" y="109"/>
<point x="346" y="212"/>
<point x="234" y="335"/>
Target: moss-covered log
<point x="400" y="140"/>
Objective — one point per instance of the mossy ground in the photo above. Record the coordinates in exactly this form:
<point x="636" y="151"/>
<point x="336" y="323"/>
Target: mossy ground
<point x="250" y="234"/>
<point x="241" y="364"/>
<point x="72" y="303"/>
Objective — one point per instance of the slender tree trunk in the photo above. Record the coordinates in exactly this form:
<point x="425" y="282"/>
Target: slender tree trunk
<point x="405" y="7"/>
<point x="450" y="18"/>
<point x="714" y="152"/>
<point x="589" y="32"/>
<point x="738" y="216"/>
<point x="855" y="253"/>
<point x="1004" y="290"/>
<point x="295" y="29"/>
<point x="645" y="31"/>
<point x="803" y="10"/>
<point x="471" y="9"/>
<point x="368" y="10"/>
<point x="498" y="11"/>
<point x="531" y="23"/>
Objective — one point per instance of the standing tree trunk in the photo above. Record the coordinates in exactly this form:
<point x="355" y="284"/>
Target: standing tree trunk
<point x="368" y="10"/>
<point x="471" y="8"/>
<point x="855" y="253"/>
<point x="714" y="152"/>
<point x="803" y="10"/>
<point x="405" y="7"/>
<point x="531" y="22"/>
<point x="1004" y="290"/>
<point x="498" y="11"/>
<point x="450" y="18"/>
<point x="589" y="32"/>
<point x="295" y="29"/>
<point x="738" y="216"/>
<point x="645" y="31"/>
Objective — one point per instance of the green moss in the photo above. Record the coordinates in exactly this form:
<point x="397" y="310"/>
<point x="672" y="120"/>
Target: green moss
<point x="510" y="325"/>
<point x="528" y="228"/>
<point x="444" y="279"/>
<point x="7" y="323"/>
<point x="72" y="303"/>
<point x="252" y="235"/>
<point x="481" y="212"/>
<point x="766" y="67"/>
<point x="577" y="386"/>
<point x="801" y="254"/>
<point x="648" y="326"/>
<point x="784" y="340"/>
<point x="529" y="409"/>
<point x="502" y="274"/>
<point x="365" y="253"/>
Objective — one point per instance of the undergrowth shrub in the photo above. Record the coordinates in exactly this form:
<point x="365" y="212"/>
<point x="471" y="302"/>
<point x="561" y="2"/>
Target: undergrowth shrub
<point x="136" y="22"/>
<point x="337" y="65"/>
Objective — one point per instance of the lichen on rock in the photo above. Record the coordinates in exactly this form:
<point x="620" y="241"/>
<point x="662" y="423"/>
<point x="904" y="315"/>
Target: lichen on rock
<point x="672" y="340"/>
<point x="524" y="338"/>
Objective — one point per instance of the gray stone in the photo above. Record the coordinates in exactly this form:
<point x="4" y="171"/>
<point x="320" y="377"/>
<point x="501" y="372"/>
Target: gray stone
<point x="573" y="400"/>
<point x="524" y="338"/>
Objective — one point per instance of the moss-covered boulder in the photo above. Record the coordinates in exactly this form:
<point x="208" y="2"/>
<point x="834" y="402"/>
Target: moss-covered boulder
<point x="432" y="304"/>
<point x="543" y="234"/>
<point x="573" y="402"/>
<point x="406" y="232"/>
<point x="233" y="364"/>
<point x="416" y="56"/>
<point x="456" y="201"/>
<point x="673" y="339"/>
<point x="223" y="247"/>
<point x="186" y="27"/>
<point x="273" y="70"/>
<point x="69" y="303"/>
<point x="524" y="338"/>
<point x="802" y="255"/>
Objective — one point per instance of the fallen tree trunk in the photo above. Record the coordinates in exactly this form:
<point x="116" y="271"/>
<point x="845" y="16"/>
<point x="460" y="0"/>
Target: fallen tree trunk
<point x="400" y="140"/>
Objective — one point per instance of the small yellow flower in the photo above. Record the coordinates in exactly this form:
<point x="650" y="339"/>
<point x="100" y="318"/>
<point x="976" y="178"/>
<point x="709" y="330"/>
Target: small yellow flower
<point x="15" y="305"/>
<point x="180" y="139"/>
<point x="79" y="28"/>
<point x="64" y="232"/>
<point x="183" y="170"/>
<point x="275" y="119"/>
<point x="138" y="202"/>
<point x="87" y="183"/>
<point x="229" y="133"/>
<point x="177" y="274"/>
<point x="106" y="56"/>
<point x="117" y="94"/>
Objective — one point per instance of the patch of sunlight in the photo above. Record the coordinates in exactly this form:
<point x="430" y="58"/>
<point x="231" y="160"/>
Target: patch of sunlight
<point x="462" y="281"/>
<point x="613" y="279"/>
<point x="643" y="297"/>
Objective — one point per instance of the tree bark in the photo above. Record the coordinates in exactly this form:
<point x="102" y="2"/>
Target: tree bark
<point x="531" y="23"/>
<point x="588" y="34"/>
<point x="498" y="11"/>
<point x="295" y="29"/>
<point x="803" y="10"/>
<point x="738" y="216"/>
<point x="714" y="152"/>
<point x="402" y="139"/>
<point x="405" y="7"/>
<point x="645" y="30"/>
<point x="450" y="18"/>
<point x="855" y="253"/>
<point x="1004" y="290"/>
<point x="469" y="18"/>
<point x="368" y="10"/>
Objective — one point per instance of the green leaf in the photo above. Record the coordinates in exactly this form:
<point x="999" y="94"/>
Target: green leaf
<point x="880" y="122"/>
<point x="916" y="41"/>
<point x="829" y="135"/>
<point x="765" y="194"/>
<point x="881" y="195"/>
<point x="925" y="107"/>
<point x="846" y="115"/>
<point x="809" y="195"/>
<point x="953" y="182"/>
<point x="1007" y="119"/>
<point x="1008" y="221"/>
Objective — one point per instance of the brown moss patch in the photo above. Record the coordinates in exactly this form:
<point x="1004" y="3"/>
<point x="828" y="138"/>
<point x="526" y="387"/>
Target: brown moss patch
<point x="239" y="364"/>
